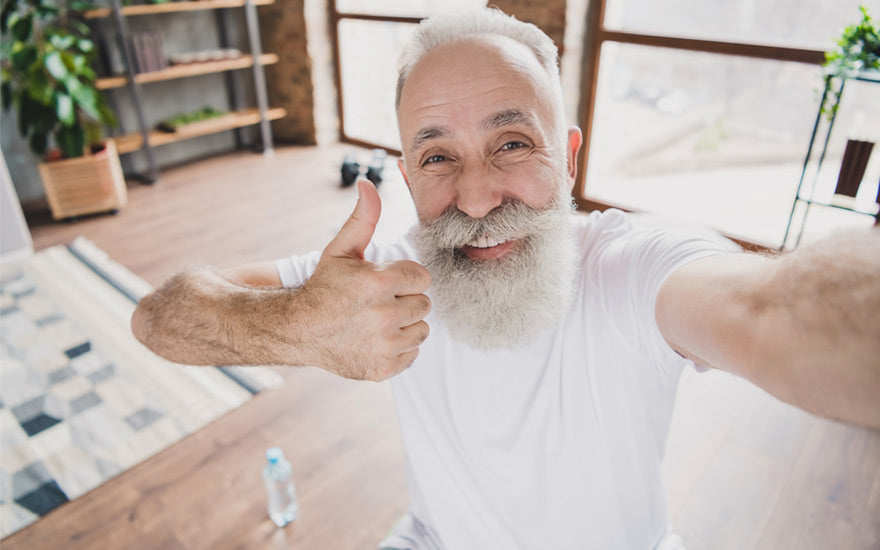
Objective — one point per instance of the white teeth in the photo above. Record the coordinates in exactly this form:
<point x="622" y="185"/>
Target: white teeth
<point x="484" y="241"/>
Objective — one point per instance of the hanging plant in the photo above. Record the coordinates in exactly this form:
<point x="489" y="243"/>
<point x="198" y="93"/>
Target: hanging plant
<point x="858" y="49"/>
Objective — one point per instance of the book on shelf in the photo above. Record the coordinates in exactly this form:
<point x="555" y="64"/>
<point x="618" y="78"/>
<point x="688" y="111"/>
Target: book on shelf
<point x="148" y="51"/>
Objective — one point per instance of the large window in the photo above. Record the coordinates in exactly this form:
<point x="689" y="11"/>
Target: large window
<point x="370" y="36"/>
<point x="704" y="109"/>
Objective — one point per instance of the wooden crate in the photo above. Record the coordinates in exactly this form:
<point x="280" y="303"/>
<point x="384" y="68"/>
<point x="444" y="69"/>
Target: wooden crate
<point x="85" y="185"/>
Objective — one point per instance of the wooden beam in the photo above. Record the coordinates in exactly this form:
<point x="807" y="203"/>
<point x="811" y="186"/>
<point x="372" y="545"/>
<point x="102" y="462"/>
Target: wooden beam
<point x="760" y="51"/>
<point x="592" y="48"/>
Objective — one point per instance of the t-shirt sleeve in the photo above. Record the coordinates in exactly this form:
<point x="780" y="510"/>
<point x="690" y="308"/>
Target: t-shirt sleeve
<point x="633" y="263"/>
<point x="296" y="270"/>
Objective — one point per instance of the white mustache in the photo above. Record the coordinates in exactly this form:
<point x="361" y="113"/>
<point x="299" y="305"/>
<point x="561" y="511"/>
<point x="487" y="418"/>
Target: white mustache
<point x="512" y="220"/>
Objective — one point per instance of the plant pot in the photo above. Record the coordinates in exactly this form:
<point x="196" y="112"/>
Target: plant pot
<point x="85" y="185"/>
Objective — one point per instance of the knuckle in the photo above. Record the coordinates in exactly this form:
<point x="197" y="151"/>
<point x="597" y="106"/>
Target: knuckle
<point x="413" y="273"/>
<point x="376" y="282"/>
<point x="386" y="317"/>
<point x="423" y="331"/>
<point x="424" y="305"/>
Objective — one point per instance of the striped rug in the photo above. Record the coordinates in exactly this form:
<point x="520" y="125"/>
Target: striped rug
<point x="80" y="399"/>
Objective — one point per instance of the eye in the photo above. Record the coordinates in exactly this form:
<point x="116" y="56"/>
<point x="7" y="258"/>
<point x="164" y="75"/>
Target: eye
<point x="433" y="159"/>
<point x="513" y="145"/>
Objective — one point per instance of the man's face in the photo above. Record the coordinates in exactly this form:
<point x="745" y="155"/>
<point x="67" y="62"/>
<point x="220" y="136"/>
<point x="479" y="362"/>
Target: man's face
<point x="480" y="126"/>
<point x="490" y="171"/>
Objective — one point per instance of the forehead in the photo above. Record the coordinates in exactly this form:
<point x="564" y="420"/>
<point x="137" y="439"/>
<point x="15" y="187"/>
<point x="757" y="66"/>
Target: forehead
<point x="458" y="81"/>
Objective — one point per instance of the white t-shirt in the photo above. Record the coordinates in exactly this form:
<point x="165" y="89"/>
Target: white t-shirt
<point x="558" y="444"/>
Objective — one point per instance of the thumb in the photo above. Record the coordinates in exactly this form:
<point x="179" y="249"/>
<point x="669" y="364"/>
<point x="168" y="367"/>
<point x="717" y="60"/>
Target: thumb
<point x="355" y="235"/>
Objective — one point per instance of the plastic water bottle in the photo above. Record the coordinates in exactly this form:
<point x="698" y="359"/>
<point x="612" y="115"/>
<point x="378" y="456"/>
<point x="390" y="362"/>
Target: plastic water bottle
<point x="279" y="487"/>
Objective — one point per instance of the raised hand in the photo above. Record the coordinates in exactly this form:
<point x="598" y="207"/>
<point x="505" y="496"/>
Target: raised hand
<point x="368" y="318"/>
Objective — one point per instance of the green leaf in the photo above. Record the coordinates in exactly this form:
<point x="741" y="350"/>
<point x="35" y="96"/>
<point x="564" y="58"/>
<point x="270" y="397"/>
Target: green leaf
<point x="71" y="140"/>
<point x="26" y="114"/>
<point x="79" y="5"/>
<point x="38" y="143"/>
<point x="45" y="9"/>
<point x="108" y="116"/>
<point x="22" y="28"/>
<point x="55" y="66"/>
<point x="62" y="41"/>
<point x="6" y="94"/>
<point x="44" y="119"/>
<point x="88" y="73"/>
<point x="80" y="27"/>
<point x="9" y="7"/>
<point x="86" y="98"/>
<point x="85" y="45"/>
<point x="24" y="58"/>
<point x="64" y="109"/>
<point x="40" y="88"/>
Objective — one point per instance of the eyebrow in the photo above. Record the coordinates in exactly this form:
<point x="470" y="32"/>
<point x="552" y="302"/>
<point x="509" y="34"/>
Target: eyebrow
<point x="506" y="117"/>
<point x="427" y="134"/>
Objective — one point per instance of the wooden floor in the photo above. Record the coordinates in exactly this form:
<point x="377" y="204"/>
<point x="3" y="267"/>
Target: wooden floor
<point x="743" y="470"/>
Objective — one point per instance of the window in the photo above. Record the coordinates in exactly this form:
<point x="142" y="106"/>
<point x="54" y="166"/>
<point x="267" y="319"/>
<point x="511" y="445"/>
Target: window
<point x="704" y="109"/>
<point x="370" y="36"/>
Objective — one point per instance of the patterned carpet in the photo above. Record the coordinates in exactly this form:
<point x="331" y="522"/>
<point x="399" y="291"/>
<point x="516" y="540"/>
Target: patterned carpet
<point x="80" y="399"/>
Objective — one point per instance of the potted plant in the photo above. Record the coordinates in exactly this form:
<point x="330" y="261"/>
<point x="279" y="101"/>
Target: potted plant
<point x="47" y="77"/>
<point x="858" y="50"/>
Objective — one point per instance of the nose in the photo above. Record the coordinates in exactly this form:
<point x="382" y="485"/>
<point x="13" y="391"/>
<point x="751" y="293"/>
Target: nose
<point x="477" y="191"/>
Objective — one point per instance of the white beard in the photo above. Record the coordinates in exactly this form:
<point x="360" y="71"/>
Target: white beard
<point x="508" y="302"/>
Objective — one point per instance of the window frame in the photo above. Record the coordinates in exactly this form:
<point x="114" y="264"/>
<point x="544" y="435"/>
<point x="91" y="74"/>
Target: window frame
<point x="596" y="34"/>
<point x="335" y="17"/>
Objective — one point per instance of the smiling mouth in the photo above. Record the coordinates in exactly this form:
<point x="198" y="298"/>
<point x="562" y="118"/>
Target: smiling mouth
<point x="488" y="248"/>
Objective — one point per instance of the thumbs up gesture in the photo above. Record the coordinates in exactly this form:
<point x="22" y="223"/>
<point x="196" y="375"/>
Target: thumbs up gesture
<point x="369" y="321"/>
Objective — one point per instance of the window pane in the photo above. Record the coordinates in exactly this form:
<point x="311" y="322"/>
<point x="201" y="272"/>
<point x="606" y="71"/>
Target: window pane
<point x="405" y="8"/>
<point x="368" y="53"/>
<point x="717" y="139"/>
<point x="804" y="23"/>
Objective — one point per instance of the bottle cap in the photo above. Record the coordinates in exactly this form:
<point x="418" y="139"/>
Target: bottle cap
<point x="274" y="454"/>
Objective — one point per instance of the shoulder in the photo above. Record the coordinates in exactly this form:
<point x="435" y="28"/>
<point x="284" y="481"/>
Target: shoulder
<point x="616" y="236"/>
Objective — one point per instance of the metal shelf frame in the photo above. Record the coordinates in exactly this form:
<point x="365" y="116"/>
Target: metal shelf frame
<point x="829" y="104"/>
<point x="119" y="14"/>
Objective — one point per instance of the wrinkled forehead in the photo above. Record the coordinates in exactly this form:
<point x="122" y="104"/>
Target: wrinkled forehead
<point x="471" y="59"/>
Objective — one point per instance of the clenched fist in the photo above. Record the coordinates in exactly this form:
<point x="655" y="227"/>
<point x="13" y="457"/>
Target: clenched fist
<point x="370" y="322"/>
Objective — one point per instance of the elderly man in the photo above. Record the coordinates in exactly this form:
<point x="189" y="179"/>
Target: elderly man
<point x="535" y="414"/>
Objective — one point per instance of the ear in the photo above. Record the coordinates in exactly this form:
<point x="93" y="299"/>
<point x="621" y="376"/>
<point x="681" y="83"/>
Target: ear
<point x="402" y="167"/>
<point x="575" y="140"/>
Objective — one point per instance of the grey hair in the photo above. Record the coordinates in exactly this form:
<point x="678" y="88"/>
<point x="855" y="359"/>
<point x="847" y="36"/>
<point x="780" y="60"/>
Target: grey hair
<point x="447" y="28"/>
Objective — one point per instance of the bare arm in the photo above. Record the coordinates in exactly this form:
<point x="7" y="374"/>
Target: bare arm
<point x="207" y="317"/>
<point x="353" y="318"/>
<point x="804" y="326"/>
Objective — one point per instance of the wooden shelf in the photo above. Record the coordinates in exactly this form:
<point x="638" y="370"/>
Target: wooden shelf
<point x="129" y="143"/>
<point x="190" y="69"/>
<point x="173" y="7"/>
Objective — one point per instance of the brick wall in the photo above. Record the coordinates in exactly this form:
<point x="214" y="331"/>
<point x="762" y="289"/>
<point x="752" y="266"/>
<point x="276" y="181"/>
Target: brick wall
<point x="289" y="82"/>
<point x="547" y="15"/>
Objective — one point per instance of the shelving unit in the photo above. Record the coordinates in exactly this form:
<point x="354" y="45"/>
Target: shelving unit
<point x="129" y="143"/>
<point x="829" y="103"/>
<point x="183" y="71"/>
<point x="146" y="138"/>
<point x="172" y="7"/>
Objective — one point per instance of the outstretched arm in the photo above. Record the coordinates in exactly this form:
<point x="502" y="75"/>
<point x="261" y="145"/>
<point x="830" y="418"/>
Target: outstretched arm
<point x="352" y="317"/>
<point x="804" y="326"/>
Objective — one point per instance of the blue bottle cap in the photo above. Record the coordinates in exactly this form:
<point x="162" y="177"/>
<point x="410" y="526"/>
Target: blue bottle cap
<point x="274" y="454"/>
